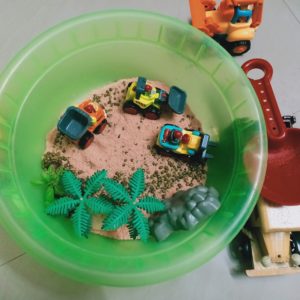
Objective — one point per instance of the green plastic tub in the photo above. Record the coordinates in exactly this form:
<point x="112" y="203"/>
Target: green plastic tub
<point x="59" y="68"/>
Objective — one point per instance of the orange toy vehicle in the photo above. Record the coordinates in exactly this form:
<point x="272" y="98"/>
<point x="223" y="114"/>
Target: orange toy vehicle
<point x="232" y="24"/>
<point x="80" y="123"/>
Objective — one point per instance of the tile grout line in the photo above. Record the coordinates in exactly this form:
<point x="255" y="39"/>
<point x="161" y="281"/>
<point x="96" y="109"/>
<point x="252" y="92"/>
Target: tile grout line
<point x="291" y="11"/>
<point x="12" y="259"/>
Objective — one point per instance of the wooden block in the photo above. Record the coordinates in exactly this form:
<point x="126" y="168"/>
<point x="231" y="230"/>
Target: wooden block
<point x="278" y="218"/>
<point x="273" y="270"/>
<point x="277" y="245"/>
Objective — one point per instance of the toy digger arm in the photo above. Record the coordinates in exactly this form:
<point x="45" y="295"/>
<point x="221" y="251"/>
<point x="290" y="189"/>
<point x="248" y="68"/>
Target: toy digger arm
<point x="198" y="14"/>
<point x="199" y="19"/>
<point x="257" y="13"/>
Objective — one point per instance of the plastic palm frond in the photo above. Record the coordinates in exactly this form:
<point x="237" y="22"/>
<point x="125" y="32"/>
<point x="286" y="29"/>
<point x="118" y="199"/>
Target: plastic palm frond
<point x="58" y="174"/>
<point x="132" y="230"/>
<point x="81" y="220"/>
<point x="71" y="184"/>
<point x="118" y="217"/>
<point x="56" y="181"/>
<point x="151" y="205"/>
<point x="99" y="205"/>
<point x="59" y="171"/>
<point x="137" y="183"/>
<point x="51" y="173"/>
<point x="141" y="225"/>
<point x="58" y="188"/>
<point x="37" y="182"/>
<point x="49" y="196"/>
<point x="47" y="174"/>
<point x="116" y="190"/>
<point x="62" y="206"/>
<point x="94" y="183"/>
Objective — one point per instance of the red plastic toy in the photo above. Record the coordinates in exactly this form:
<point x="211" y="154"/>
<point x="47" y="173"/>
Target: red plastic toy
<point x="282" y="184"/>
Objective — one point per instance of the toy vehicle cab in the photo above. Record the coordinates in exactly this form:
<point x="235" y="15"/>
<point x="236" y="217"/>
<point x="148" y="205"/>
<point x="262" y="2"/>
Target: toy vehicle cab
<point x="143" y="97"/>
<point x="232" y="24"/>
<point x="80" y="123"/>
<point x="183" y="143"/>
<point x="289" y="120"/>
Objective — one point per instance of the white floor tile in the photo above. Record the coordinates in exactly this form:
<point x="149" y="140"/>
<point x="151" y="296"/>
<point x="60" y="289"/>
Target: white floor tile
<point x="8" y="249"/>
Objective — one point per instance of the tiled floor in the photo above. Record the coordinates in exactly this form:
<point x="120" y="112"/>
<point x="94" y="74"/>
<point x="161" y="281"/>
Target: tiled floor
<point x="278" y="40"/>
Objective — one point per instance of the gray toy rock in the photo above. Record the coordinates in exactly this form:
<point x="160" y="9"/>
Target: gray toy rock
<point x="185" y="209"/>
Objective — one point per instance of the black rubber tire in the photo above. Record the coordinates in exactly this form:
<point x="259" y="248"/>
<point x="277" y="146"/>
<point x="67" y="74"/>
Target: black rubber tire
<point x="86" y="140"/>
<point x="99" y="129"/>
<point x="186" y="159"/>
<point x="232" y="46"/>
<point x="240" y="250"/>
<point x="131" y="108"/>
<point x="295" y="242"/>
<point x="162" y="151"/>
<point x="129" y="84"/>
<point x="152" y="113"/>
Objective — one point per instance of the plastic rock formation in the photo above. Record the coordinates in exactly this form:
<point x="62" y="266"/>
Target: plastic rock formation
<point x="51" y="180"/>
<point x="185" y="210"/>
<point x="128" y="210"/>
<point x="81" y="203"/>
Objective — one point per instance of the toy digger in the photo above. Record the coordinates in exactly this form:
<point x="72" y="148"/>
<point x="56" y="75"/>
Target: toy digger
<point x="232" y="24"/>
<point x="142" y="96"/>
<point x="80" y="123"/>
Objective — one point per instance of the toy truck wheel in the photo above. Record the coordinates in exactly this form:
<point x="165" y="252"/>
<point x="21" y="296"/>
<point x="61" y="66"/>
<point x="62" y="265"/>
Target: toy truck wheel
<point x="186" y="158"/>
<point x="130" y="108"/>
<point x="289" y="121"/>
<point x="240" y="250"/>
<point x="99" y="129"/>
<point x="295" y="242"/>
<point x="152" y="113"/>
<point x="129" y="84"/>
<point x="162" y="151"/>
<point x="86" y="140"/>
<point x="295" y="258"/>
<point x="238" y="48"/>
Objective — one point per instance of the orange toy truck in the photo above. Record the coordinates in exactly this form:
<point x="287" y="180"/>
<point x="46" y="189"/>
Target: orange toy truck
<point x="232" y="24"/>
<point x="80" y="123"/>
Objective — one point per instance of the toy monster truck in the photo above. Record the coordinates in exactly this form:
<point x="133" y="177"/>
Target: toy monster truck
<point x="143" y="97"/>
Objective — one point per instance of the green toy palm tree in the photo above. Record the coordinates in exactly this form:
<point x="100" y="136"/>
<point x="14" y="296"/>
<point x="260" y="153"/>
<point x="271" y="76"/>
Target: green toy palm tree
<point x="51" y="181"/>
<point x="127" y="209"/>
<point x="82" y="204"/>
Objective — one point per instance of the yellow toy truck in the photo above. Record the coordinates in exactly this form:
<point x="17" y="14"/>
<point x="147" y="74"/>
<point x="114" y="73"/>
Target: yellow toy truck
<point x="143" y="97"/>
<point x="232" y="24"/>
<point x="186" y="144"/>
